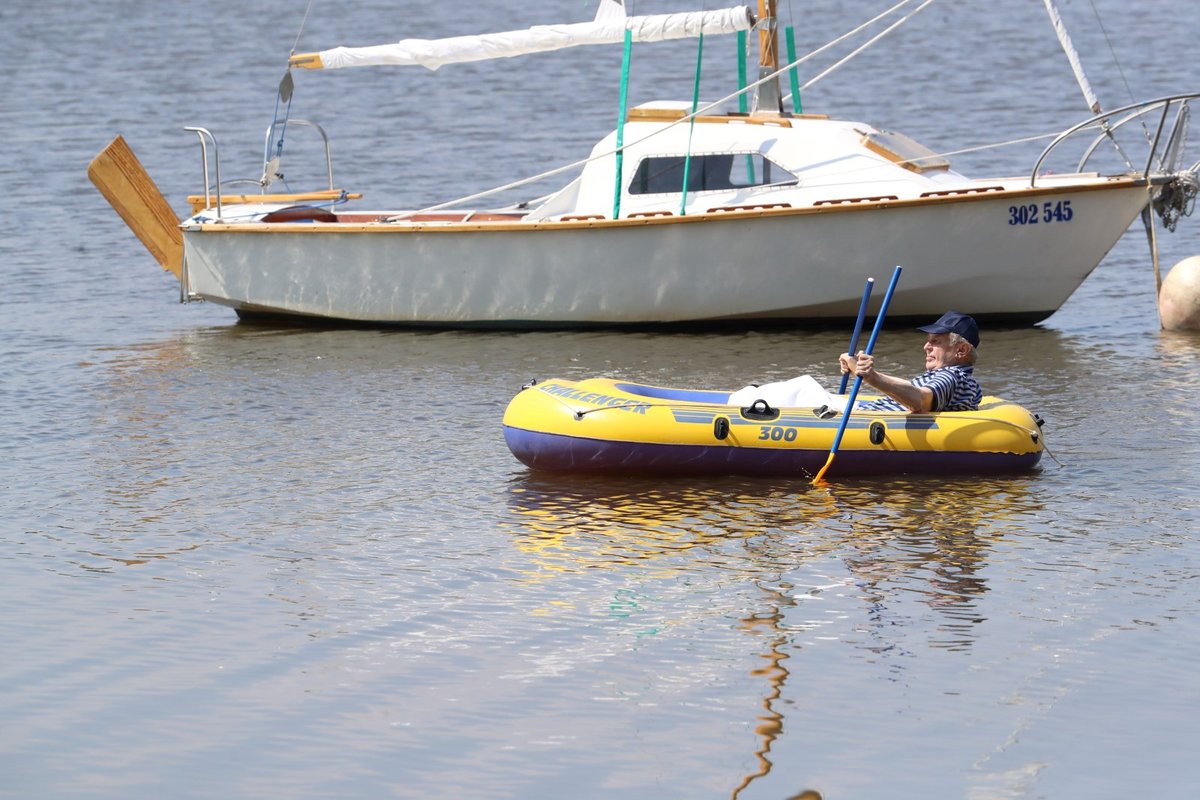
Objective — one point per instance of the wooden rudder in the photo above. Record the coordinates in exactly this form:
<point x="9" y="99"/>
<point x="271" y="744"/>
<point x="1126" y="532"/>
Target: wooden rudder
<point x="131" y="192"/>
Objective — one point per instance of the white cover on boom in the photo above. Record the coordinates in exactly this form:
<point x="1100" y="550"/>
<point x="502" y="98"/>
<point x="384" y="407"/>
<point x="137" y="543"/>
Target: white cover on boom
<point x="433" y="53"/>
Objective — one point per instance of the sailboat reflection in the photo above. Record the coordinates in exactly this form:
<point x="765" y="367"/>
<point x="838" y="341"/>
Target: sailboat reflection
<point x="770" y="722"/>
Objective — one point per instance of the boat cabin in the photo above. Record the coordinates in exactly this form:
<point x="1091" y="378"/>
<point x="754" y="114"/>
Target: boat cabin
<point x="732" y="161"/>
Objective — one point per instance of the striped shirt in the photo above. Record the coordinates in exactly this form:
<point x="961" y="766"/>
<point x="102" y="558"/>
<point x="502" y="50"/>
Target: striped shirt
<point x="954" y="389"/>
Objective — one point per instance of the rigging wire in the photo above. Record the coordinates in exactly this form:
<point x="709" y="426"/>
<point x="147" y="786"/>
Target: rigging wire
<point x="271" y="171"/>
<point x="870" y="41"/>
<point x="1112" y="50"/>
<point x="299" y="33"/>
<point x="683" y="120"/>
<point x="1120" y="68"/>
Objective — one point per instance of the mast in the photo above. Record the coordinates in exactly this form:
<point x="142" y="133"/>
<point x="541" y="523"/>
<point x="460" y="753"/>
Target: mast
<point x="768" y="99"/>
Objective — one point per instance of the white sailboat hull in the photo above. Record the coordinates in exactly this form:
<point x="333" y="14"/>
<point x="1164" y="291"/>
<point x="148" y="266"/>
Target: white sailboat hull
<point x="684" y="214"/>
<point x="786" y="265"/>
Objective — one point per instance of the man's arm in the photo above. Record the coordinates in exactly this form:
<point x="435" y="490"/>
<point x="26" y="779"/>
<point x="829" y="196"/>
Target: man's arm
<point x="915" y="398"/>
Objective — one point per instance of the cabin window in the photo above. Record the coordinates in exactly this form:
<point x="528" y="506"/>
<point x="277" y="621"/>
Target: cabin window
<point x="898" y="148"/>
<point x="707" y="173"/>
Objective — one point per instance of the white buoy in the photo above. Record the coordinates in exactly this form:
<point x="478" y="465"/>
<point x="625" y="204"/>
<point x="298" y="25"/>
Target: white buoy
<point x="1179" y="297"/>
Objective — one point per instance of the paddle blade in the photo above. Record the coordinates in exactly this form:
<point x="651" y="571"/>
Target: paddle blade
<point x="821" y="475"/>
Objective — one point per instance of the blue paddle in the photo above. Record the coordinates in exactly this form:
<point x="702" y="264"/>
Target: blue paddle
<point x="862" y="313"/>
<point x="837" y="440"/>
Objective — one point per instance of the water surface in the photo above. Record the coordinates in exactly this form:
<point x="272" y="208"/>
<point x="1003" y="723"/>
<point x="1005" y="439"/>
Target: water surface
<point x="244" y="561"/>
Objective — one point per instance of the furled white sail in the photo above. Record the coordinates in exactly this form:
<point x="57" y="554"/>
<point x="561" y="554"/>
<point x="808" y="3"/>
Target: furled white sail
<point x="433" y="53"/>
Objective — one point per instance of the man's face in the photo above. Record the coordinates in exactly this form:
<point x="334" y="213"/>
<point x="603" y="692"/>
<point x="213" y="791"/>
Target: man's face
<point x="940" y="353"/>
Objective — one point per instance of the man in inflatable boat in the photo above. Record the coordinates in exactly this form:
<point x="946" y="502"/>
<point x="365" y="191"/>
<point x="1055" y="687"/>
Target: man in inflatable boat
<point x="948" y="383"/>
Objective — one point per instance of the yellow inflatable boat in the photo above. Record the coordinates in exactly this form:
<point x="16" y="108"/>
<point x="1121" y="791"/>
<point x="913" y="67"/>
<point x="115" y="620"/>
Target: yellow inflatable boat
<point x="602" y="425"/>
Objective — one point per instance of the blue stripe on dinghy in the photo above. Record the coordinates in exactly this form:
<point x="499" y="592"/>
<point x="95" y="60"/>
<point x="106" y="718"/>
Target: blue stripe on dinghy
<point x="558" y="453"/>
<point x="705" y="416"/>
<point x="684" y="395"/>
<point x="801" y="419"/>
<point x="805" y="419"/>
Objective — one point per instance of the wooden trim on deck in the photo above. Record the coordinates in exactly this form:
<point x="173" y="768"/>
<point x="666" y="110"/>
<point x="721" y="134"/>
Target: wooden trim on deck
<point x="674" y="114"/>
<point x="299" y="198"/>
<point x="846" y="201"/>
<point x="851" y="206"/>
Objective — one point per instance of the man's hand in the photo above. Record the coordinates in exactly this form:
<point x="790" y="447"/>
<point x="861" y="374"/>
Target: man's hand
<point x="862" y="365"/>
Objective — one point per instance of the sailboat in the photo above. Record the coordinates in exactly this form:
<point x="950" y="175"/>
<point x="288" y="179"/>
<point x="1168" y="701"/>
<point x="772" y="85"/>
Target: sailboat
<point x="733" y="213"/>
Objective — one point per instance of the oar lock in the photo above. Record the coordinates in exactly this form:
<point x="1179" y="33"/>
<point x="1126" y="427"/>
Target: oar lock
<point x="877" y="432"/>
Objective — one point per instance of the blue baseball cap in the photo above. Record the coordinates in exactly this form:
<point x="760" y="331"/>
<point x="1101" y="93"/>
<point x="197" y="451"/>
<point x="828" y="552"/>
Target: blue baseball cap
<point x="955" y="322"/>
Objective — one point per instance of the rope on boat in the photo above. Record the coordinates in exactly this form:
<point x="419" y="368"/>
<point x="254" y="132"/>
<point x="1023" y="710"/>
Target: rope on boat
<point x="1177" y="199"/>
<point x="687" y="159"/>
<point x="685" y="119"/>
<point x="299" y="33"/>
<point x="1047" y="451"/>
<point x="624" y="101"/>
<point x="271" y="171"/>
<point x="740" y="94"/>
<point x="789" y="37"/>
<point x="580" y="413"/>
<point x="865" y="45"/>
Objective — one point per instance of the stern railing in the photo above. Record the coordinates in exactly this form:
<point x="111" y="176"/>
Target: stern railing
<point x="206" y="137"/>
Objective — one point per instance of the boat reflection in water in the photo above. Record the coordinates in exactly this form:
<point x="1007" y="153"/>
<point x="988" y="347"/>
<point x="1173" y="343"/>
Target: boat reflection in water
<point x="885" y="532"/>
<point x="870" y="545"/>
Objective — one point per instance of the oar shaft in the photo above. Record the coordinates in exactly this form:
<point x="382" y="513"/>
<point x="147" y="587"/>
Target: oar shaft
<point x="858" y="324"/>
<point x="887" y="299"/>
<point x="837" y="440"/>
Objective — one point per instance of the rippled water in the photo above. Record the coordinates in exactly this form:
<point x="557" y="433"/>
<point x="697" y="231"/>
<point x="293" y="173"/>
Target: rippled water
<point x="245" y="561"/>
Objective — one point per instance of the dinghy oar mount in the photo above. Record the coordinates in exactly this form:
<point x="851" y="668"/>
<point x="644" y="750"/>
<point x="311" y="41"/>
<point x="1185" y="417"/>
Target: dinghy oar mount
<point x="877" y="432"/>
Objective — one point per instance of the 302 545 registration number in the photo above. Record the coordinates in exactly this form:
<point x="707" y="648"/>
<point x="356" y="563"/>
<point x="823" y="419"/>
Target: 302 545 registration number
<point x="1050" y="211"/>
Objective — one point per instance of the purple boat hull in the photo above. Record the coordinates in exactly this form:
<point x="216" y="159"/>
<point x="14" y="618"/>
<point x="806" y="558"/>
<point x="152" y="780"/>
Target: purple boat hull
<point x="559" y="453"/>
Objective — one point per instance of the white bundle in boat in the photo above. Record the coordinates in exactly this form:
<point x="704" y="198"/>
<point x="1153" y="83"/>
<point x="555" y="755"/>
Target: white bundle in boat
<point x="801" y="392"/>
<point x="605" y="29"/>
